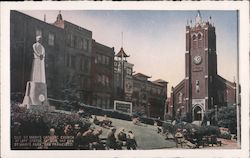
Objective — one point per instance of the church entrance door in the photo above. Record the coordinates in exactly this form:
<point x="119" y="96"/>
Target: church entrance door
<point x="197" y="113"/>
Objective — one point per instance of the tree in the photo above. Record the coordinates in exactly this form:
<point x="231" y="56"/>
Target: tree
<point x="70" y="96"/>
<point x="227" y="118"/>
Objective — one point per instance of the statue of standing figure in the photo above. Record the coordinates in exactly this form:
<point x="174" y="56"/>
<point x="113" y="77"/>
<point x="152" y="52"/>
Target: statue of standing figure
<point x="38" y="66"/>
<point x="36" y="88"/>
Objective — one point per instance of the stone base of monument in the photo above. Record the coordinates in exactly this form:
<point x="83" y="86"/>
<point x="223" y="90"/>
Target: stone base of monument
<point x="36" y="96"/>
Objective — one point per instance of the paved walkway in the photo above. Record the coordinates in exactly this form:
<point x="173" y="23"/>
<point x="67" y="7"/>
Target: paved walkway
<point x="146" y="135"/>
<point x="148" y="138"/>
<point x="226" y="144"/>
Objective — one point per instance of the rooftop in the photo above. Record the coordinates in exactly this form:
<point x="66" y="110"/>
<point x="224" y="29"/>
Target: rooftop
<point x="141" y="75"/>
<point x="122" y="53"/>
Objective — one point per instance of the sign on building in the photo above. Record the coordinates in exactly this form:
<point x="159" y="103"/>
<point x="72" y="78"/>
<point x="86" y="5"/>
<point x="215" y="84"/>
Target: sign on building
<point x="122" y="106"/>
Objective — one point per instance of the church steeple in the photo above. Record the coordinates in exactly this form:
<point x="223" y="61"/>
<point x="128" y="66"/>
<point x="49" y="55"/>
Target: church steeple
<point x="198" y="19"/>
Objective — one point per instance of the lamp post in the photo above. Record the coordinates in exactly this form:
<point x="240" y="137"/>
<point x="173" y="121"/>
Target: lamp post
<point x="199" y="112"/>
<point x="216" y="113"/>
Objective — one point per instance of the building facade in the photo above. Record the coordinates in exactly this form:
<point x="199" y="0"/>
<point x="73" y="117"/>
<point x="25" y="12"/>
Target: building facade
<point x="202" y="89"/>
<point x="102" y="70"/>
<point x="149" y="97"/>
<point x="77" y="58"/>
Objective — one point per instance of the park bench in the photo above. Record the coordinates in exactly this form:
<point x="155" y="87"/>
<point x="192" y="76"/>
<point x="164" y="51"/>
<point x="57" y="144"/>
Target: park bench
<point x="104" y="142"/>
<point x="207" y="140"/>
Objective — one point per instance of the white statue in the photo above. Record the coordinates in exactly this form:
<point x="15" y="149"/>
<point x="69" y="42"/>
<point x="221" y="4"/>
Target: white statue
<point x="38" y="66"/>
<point x="36" y="88"/>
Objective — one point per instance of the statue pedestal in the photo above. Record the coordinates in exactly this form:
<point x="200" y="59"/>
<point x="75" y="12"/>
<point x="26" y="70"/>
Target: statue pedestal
<point x="35" y="96"/>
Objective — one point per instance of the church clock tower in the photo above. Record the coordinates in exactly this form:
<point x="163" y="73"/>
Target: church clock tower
<point x="201" y="66"/>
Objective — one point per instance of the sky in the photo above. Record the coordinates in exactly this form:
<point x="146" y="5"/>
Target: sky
<point x="154" y="39"/>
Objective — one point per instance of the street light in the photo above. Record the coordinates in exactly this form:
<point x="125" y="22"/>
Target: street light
<point x="216" y="113"/>
<point x="199" y="112"/>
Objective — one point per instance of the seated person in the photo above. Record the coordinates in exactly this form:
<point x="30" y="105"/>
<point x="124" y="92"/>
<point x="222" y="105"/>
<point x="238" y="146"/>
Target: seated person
<point x="131" y="142"/>
<point x="96" y="121"/>
<point x="122" y="135"/>
<point x="179" y="137"/>
<point x="136" y="121"/>
<point x="95" y="143"/>
<point x="106" y="122"/>
<point x="86" y="139"/>
<point x="111" y="140"/>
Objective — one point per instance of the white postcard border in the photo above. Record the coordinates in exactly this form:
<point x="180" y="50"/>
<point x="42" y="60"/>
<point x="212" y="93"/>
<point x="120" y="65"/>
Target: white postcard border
<point x="160" y="5"/>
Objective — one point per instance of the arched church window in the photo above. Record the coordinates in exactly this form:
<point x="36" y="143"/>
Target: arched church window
<point x="199" y="36"/>
<point x="180" y="97"/>
<point x="194" y="37"/>
<point x="197" y="86"/>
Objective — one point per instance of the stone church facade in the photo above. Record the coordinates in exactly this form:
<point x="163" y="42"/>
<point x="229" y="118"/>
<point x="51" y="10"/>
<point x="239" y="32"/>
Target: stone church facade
<point x="202" y="88"/>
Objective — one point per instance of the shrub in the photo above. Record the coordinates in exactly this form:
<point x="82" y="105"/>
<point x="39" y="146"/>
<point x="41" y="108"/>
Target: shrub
<point x="167" y="127"/>
<point x="210" y="130"/>
<point x="225" y="136"/>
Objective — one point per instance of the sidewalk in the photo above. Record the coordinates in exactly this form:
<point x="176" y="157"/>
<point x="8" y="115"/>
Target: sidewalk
<point x="226" y="144"/>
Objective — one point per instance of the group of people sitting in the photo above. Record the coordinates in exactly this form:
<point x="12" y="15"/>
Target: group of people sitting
<point x="89" y="140"/>
<point x="192" y="140"/>
<point x="104" y="122"/>
<point x="121" y="139"/>
<point x="116" y="139"/>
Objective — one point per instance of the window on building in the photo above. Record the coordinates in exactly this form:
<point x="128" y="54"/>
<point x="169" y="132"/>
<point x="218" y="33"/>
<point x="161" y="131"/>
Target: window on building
<point x="99" y="58"/>
<point x="99" y="78"/>
<point x="194" y="37"/>
<point x="103" y="59"/>
<point x="71" y="40"/>
<point x="68" y="40"/>
<point x="85" y="44"/>
<point x="88" y="45"/>
<point x="107" y="81"/>
<point x="73" y="62"/>
<point x="67" y="60"/>
<point x="158" y="91"/>
<point x="199" y="36"/>
<point x="88" y="83"/>
<point x="81" y="64"/>
<point x="38" y="32"/>
<point x="51" y="39"/>
<point x="79" y="43"/>
<point x="75" y="42"/>
<point x="103" y="80"/>
<point x="86" y="65"/>
<point x="107" y="61"/>
<point x="129" y="71"/>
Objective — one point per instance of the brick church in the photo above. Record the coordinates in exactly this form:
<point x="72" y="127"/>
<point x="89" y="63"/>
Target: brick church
<point x="202" y="88"/>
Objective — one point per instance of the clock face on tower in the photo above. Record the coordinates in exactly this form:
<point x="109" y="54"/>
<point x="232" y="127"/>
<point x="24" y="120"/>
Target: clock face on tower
<point x="197" y="60"/>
